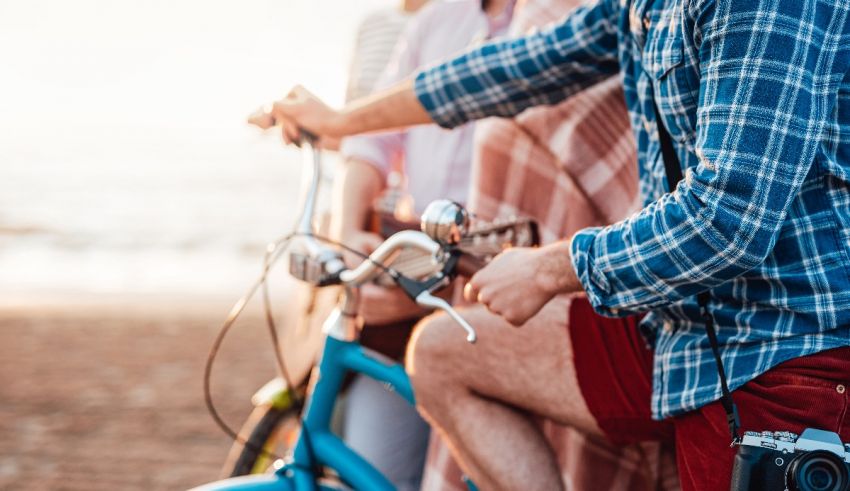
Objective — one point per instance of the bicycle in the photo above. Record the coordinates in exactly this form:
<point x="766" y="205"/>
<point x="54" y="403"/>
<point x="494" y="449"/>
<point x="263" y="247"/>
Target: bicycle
<point x="446" y="240"/>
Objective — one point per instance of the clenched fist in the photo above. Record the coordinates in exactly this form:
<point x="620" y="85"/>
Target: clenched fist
<point x="519" y="282"/>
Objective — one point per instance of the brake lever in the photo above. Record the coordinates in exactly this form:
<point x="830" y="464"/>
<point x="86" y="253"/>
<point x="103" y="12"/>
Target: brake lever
<point x="427" y="299"/>
<point x="420" y="292"/>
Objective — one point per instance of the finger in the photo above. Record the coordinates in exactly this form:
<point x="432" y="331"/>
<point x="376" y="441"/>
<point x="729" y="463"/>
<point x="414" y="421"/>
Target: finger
<point x="495" y="308"/>
<point x="470" y="292"/>
<point x="297" y="92"/>
<point x="291" y="133"/>
<point x="513" y="318"/>
<point x="282" y="109"/>
<point x="262" y="117"/>
<point x="484" y="298"/>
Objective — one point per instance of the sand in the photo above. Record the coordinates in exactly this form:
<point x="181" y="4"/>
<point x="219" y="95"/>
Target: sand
<point x="100" y="395"/>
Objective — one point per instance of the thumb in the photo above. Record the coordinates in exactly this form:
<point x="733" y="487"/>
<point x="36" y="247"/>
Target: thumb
<point x="283" y="109"/>
<point x="288" y="106"/>
<point x="262" y="118"/>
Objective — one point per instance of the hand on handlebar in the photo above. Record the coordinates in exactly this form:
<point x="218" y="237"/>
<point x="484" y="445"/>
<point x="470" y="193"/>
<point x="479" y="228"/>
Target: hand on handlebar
<point x="300" y="109"/>
<point x="538" y="273"/>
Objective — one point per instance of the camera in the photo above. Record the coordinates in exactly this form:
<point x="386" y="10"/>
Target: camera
<point x="816" y="460"/>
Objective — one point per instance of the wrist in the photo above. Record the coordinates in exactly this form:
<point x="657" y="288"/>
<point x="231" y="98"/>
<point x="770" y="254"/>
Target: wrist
<point x="556" y="271"/>
<point x="338" y="124"/>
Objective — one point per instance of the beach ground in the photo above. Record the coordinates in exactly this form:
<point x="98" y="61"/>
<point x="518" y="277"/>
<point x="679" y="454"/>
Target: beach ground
<point x="101" y="397"/>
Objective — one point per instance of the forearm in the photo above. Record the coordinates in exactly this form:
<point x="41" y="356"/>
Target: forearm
<point x="302" y="111"/>
<point x="507" y="76"/>
<point x="355" y="188"/>
<point x="394" y="107"/>
<point x="498" y="79"/>
<point x="684" y="243"/>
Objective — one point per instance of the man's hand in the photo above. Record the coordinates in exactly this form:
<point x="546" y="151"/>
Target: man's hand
<point x="519" y="282"/>
<point x="300" y="110"/>
<point x="394" y="107"/>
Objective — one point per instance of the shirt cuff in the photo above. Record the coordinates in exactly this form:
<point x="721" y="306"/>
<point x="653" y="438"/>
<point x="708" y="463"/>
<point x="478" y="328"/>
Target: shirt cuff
<point x="594" y="282"/>
<point x="438" y="97"/>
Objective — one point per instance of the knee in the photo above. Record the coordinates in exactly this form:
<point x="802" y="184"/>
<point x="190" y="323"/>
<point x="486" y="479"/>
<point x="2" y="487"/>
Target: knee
<point x="431" y="357"/>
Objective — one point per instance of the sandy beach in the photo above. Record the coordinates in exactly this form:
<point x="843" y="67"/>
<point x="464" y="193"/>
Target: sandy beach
<point x="108" y="395"/>
<point x="145" y="183"/>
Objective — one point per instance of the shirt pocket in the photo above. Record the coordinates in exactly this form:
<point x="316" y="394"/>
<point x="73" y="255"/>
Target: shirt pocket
<point x="664" y="62"/>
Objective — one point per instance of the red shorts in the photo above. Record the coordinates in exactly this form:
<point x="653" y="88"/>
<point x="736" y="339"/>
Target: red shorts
<point x="614" y="369"/>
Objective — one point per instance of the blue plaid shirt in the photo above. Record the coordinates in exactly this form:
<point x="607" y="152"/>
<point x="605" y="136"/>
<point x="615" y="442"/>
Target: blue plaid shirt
<point x="756" y="97"/>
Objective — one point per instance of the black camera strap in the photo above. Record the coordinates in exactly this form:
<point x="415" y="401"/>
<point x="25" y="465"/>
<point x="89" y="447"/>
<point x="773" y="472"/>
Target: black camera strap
<point x="674" y="175"/>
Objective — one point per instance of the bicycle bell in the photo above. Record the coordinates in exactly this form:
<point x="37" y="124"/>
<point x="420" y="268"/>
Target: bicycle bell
<point x="445" y="221"/>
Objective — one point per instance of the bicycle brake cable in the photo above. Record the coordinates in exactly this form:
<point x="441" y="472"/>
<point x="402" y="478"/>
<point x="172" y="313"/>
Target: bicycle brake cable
<point x="235" y="311"/>
<point x="272" y="255"/>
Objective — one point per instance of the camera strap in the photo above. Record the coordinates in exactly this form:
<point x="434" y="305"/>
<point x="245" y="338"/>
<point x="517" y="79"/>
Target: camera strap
<point x="673" y="169"/>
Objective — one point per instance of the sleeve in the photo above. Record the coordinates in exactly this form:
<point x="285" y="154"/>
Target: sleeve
<point x="384" y="148"/>
<point x="770" y="68"/>
<point x="353" y="89"/>
<point x="505" y="77"/>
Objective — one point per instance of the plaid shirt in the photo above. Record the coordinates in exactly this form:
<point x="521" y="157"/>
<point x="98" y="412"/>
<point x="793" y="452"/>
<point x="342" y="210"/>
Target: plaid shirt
<point x="579" y="158"/>
<point x="756" y="97"/>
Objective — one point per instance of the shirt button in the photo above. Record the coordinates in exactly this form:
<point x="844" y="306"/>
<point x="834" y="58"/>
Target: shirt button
<point x="646" y="22"/>
<point x="840" y="388"/>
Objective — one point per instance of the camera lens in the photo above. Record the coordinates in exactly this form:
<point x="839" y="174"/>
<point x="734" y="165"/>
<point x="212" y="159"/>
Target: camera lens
<point x="818" y="470"/>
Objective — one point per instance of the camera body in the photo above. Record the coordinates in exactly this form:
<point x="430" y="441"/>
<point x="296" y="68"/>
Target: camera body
<point x="816" y="460"/>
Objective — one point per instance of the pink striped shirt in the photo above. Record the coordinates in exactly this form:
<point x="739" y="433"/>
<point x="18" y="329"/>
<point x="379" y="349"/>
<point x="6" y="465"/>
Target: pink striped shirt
<point x="436" y="161"/>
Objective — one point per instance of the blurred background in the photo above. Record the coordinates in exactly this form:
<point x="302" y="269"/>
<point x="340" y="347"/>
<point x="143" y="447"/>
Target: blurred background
<point x="135" y="205"/>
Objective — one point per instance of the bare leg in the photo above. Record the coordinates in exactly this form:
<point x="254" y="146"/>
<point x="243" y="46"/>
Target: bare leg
<point x="482" y="396"/>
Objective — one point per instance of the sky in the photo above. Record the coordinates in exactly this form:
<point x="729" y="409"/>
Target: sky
<point x="166" y="63"/>
<point x="125" y="162"/>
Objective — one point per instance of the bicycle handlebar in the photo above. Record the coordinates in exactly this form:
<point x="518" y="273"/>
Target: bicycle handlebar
<point x="321" y="264"/>
<point x="369" y="268"/>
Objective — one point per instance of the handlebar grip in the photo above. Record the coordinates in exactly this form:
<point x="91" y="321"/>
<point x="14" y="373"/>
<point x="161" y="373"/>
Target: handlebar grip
<point x="468" y="265"/>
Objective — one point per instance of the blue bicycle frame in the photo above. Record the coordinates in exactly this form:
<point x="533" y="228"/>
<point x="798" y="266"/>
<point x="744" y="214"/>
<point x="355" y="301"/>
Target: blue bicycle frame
<point x="317" y="445"/>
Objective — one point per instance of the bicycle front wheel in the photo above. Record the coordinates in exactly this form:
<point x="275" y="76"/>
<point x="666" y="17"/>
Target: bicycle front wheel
<point x="268" y="430"/>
